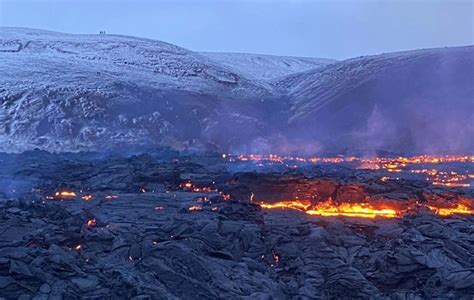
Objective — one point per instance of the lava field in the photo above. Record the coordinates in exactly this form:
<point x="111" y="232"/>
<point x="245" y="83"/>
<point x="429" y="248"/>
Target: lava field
<point x="171" y="225"/>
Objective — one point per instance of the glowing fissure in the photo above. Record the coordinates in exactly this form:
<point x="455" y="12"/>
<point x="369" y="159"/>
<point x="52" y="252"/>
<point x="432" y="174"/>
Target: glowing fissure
<point x="399" y="164"/>
<point x="296" y="204"/>
<point x="386" y="162"/>
<point x="329" y="208"/>
<point x="459" y="208"/>
<point x="365" y="210"/>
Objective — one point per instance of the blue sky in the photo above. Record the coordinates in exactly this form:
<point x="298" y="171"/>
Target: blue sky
<point x="332" y="29"/>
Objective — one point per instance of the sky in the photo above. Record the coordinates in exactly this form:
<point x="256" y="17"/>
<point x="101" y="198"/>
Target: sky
<point x="335" y="29"/>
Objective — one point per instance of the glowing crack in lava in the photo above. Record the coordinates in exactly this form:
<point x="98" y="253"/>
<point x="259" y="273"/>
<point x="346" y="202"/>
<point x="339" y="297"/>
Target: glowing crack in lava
<point x="364" y="210"/>
<point x="386" y="162"/>
<point x="329" y="208"/>
<point x="459" y="208"/>
<point x="296" y="204"/>
<point x="450" y="178"/>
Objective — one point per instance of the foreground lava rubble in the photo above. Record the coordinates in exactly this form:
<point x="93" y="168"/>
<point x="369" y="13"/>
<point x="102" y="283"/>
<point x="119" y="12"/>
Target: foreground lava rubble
<point x="194" y="228"/>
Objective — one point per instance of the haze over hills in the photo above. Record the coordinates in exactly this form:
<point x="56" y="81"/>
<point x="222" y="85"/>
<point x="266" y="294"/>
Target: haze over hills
<point x="63" y="92"/>
<point x="416" y="101"/>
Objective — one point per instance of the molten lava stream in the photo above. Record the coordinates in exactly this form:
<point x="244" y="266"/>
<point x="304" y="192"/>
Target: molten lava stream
<point x="295" y="204"/>
<point x="330" y="209"/>
<point x="363" y="210"/>
<point x="448" y="211"/>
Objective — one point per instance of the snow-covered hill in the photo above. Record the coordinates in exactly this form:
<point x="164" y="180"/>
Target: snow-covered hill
<point x="63" y="92"/>
<point x="127" y="58"/>
<point x="266" y="67"/>
<point x="69" y="92"/>
<point x="414" y="101"/>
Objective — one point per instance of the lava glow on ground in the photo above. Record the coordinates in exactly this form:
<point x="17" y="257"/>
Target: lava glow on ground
<point x="296" y="204"/>
<point x="417" y="165"/>
<point x="391" y="165"/>
<point x="365" y="210"/>
<point x="329" y="208"/>
<point x="458" y="208"/>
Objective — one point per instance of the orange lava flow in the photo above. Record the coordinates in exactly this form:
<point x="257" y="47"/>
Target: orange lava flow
<point x="450" y="179"/>
<point x="296" y="204"/>
<point x="452" y="184"/>
<point x="458" y="209"/>
<point x="388" y="163"/>
<point x="330" y="208"/>
<point x="364" y="210"/>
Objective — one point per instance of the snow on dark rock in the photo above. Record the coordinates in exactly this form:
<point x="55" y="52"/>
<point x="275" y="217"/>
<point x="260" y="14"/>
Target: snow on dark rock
<point x="70" y="92"/>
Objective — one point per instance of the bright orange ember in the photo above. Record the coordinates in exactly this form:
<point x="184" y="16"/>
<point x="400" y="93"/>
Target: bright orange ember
<point x="87" y="197"/>
<point x="91" y="222"/>
<point x="195" y="208"/>
<point x="65" y="194"/>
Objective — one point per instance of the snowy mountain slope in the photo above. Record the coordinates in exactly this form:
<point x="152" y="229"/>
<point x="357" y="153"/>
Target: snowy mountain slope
<point x="155" y="62"/>
<point x="63" y="92"/>
<point x="418" y="101"/>
<point x="70" y="92"/>
<point x="266" y="67"/>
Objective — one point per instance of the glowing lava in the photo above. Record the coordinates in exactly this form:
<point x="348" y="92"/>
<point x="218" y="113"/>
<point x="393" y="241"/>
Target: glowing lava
<point x="450" y="179"/>
<point x="295" y="204"/>
<point x="195" y="208"/>
<point x="87" y="197"/>
<point x="330" y="208"/>
<point x="91" y="222"/>
<point x="191" y="187"/>
<point x="65" y="194"/>
<point x="459" y="208"/>
<point x="61" y="195"/>
<point x="363" y="210"/>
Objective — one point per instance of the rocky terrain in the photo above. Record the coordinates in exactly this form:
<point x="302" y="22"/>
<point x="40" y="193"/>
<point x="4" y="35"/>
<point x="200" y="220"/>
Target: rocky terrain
<point x="63" y="92"/>
<point x="170" y="225"/>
